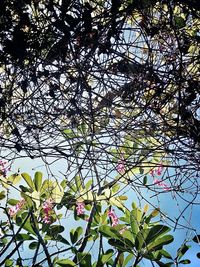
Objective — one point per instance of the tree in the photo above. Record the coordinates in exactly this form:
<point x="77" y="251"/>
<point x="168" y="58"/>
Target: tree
<point x="107" y="85"/>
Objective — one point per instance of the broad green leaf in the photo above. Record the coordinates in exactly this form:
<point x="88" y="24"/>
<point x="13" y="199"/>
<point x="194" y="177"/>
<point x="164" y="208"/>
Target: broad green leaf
<point x="14" y="178"/>
<point x="54" y="230"/>
<point x="121" y="260"/>
<point x="57" y="192"/>
<point x="78" y="183"/>
<point x="196" y="239"/>
<point x="57" y="238"/>
<point x="185" y="261"/>
<point x="182" y="250"/>
<point x="144" y="180"/>
<point x="165" y="254"/>
<point x="88" y="185"/>
<point x="153" y="214"/>
<point x="116" y="202"/>
<point x="28" y="180"/>
<point x="38" y="180"/>
<point x="155" y="232"/>
<point x="12" y="201"/>
<point x="33" y="245"/>
<point x="2" y="195"/>
<point x="106" y="231"/>
<point x="65" y="263"/>
<point x="35" y="196"/>
<point x="25" y="189"/>
<point x="75" y="234"/>
<point x="135" y="218"/>
<point x="84" y="259"/>
<point x="21" y="237"/>
<point x="120" y="245"/>
<point x="106" y="256"/>
<point x="158" y="243"/>
<point x="27" y="226"/>
<point x="127" y="259"/>
<point x="69" y="133"/>
<point x="9" y="263"/>
<point x="146" y="207"/>
<point x="140" y="239"/>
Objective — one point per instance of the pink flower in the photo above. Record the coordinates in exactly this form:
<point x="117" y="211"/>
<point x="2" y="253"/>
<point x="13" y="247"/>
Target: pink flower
<point x="13" y="210"/>
<point x="47" y="209"/>
<point x="3" y="168"/>
<point x="80" y="208"/>
<point x="157" y="171"/>
<point x="121" y="166"/>
<point x="114" y="218"/>
<point x="47" y="205"/>
<point x="152" y="172"/>
<point x="162" y="184"/>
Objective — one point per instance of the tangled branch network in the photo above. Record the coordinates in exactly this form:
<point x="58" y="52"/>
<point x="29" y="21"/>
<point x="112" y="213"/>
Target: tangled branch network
<point x="110" y="86"/>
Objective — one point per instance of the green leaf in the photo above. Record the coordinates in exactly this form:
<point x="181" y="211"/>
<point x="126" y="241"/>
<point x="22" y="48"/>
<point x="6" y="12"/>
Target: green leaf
<point x="196" y="239"/>
<point x="2" y="195"/>
<point x="21" y="237"/>
<point x="69" y="133"/>
<point x="88" y="185"/>
<point x="28" y="180"/>
<point x="38" y="180"/>
<point x="106" y="257"/>
<point x="140" y="239"/>
<point x="75" y="234"/>
<point x="182" y="250"/>
<point x="155" y="232"/>
<point x="25" y="189"/>
<point x="9" y="263"/>
<point x="158" y="243"/>
<point x="27" y="226"/>
<point x="144" y="180"/>
<point x="185" y="262"/>
<point x="14" y="178"/>
<point x="120" y="245"/>
<point x="58" y="238"/>
<point x="127" y="259"/>
<point x="65" y="263"/>
<point x="179" y="22"/>
<point x="106" y="231"/>
<point x="121" y="260"/>
<point x="165" y="254"/>
<point x="54" y="230"/>
<point x="134" y="222"/>
<point x="84" y="259"/>
<point x="153" y="214"/>
<point x="33" y="245"/>
<point x="12" y="201"/>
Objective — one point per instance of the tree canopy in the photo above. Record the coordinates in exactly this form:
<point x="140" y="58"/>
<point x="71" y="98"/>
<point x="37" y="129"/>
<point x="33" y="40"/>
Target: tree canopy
<point x="113" y="88"/>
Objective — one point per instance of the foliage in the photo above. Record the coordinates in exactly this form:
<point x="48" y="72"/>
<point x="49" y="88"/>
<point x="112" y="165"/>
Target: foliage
<point x="136" y="236"/>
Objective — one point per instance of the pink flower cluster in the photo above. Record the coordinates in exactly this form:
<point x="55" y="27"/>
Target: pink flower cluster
<point x="3" y="168"/>
<point x="47" y="209"/>
<point x="121" y="166"/>
<point x="157" y="171"/>
<point x="13" y="210"/>
<point x="162" y="184"/>
<point x="114" y="218"/>
<point x="80" y="208"/>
